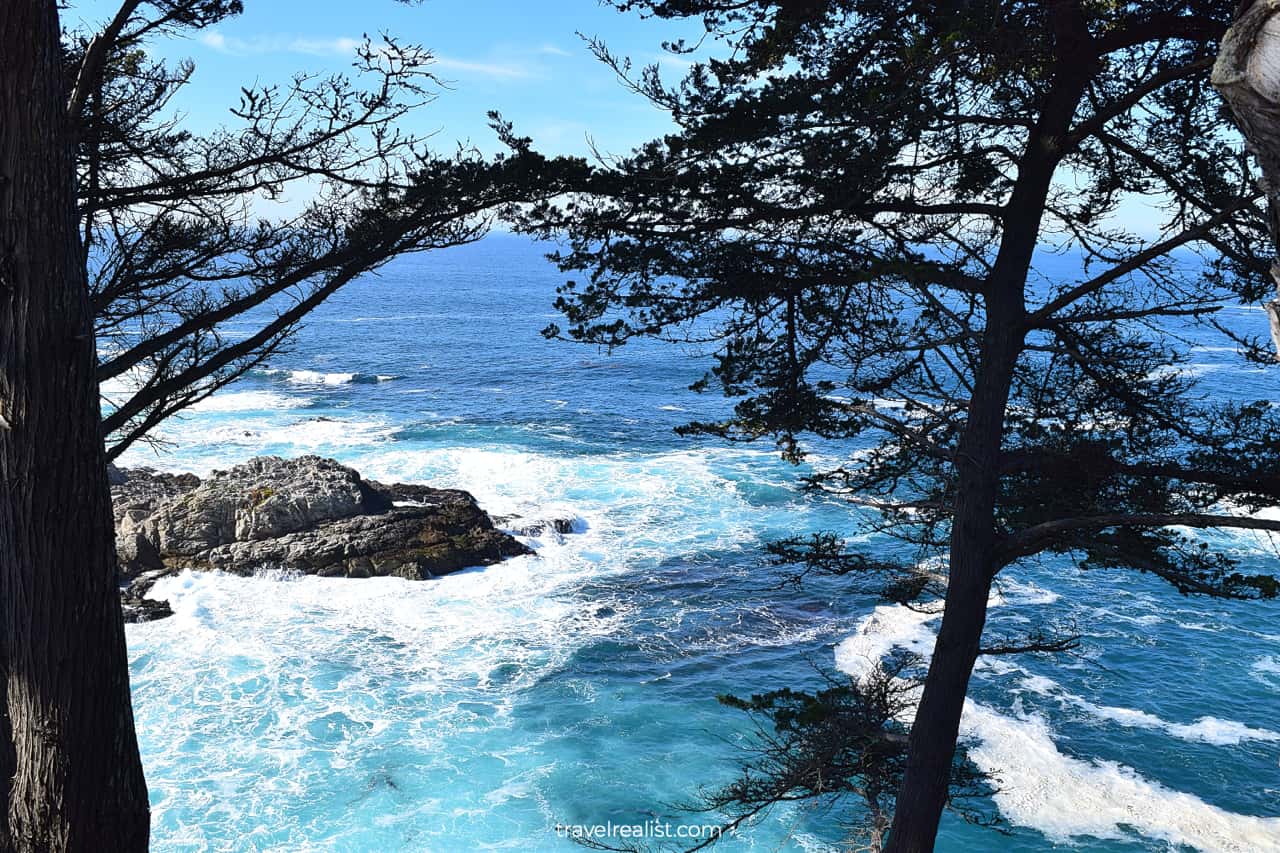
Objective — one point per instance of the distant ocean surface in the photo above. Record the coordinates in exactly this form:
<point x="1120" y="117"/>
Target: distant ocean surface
<point x="578" y="685"/>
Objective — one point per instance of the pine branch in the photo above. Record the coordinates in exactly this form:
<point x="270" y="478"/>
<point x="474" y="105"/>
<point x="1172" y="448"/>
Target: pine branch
<point x="1037" y="538"/>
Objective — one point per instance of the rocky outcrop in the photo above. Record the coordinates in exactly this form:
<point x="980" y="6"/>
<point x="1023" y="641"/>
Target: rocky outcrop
<point x="135" y="494"/>
<point x="309" y="515"/>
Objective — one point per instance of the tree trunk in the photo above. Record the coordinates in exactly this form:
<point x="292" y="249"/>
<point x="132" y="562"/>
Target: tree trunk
<point x="1247" y="74"/>
<point x="77" y="782"/>
<point x="927" y="779"/>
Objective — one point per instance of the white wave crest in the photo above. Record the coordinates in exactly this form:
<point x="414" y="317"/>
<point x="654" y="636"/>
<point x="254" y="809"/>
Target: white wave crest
<point x="248" y="401"/>
<point x="1066" y="798"/>
<point x="203" y="447"/>
<point x="1211" y="730"/>
<point x="672" y="503"/>
<point x="1266" y="669"/>
<point x="318" y="377"/>
<point x="1058" y="795"/>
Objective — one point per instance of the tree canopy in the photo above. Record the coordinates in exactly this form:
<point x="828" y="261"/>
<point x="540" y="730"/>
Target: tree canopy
<point x="912" y="225"/>
<point x="186" y="234"/>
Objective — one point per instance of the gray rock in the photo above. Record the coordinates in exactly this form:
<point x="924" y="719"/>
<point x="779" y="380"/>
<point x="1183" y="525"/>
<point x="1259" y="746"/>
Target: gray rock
<point x="408" y="542"/>
<point x="309" y="515"/>
<point x="136" y="494"/>
<point x="139" y="608"/>
<point x="262" y="499"/>
<point x="136" y="604"/>
<point x="143" y="489"/>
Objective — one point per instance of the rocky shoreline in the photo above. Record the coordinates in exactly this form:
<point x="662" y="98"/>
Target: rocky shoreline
<point x="308" y="515"/>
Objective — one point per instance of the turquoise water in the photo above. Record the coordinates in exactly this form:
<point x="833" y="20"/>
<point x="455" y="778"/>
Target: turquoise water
<point x="577" y="686"/>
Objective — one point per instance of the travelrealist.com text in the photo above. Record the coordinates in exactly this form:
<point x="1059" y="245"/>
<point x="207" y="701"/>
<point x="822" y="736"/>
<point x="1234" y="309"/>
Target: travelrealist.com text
<point x="648" y="829"/>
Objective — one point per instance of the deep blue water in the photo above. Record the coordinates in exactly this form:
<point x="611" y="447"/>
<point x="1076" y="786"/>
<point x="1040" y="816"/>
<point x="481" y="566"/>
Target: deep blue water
<point x="578" y="686"/>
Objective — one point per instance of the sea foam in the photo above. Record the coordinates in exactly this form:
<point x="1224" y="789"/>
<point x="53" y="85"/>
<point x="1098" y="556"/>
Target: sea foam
<point x="1211" y="730"/>
<point x="1066" y="798"/>
<point x="1058" y="795"/>
<point x="317" y="377"/>
<point x="249" y="401"/>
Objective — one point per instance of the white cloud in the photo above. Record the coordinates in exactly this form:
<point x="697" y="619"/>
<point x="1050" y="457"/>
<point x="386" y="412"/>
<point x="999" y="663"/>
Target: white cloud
<point x="258" y="45"/>
<point x="346" y="46"/>
<point x="672" y="60"/>
<point x="325" y="47"/>
<point x="214" y="39"/>
<point x="501" y="70"/>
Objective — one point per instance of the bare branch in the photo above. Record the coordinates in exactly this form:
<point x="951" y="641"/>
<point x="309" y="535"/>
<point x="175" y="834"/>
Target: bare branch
<point x="91" y="66"/>
<point x="1035" y="539"/>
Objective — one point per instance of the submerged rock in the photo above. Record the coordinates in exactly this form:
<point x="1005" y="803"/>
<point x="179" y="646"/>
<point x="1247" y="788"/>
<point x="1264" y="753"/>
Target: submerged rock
<point x="559" y="526"/>
<point x="309" y="515"/>
<point x="138" y="608"/>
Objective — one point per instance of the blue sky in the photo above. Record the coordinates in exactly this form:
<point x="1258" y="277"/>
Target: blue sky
<point x="524" y="59"/>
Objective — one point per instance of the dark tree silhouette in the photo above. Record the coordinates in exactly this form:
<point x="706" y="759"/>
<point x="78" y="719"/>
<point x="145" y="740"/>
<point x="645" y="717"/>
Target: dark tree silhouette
<point x="72" y="777"/>
<point x="120" y="226"/>
<point x="179" y="232"/>
<point x="850" y="214"/>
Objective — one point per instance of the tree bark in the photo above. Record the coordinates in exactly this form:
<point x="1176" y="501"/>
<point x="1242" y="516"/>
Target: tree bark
<point x="935" y="731"/>
<point x="77" y="782"/>
<point x="1247" y="75"/>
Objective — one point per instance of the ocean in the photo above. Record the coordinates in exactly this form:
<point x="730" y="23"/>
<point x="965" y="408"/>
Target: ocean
<point x="491" y="709"/>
